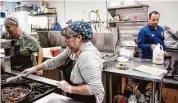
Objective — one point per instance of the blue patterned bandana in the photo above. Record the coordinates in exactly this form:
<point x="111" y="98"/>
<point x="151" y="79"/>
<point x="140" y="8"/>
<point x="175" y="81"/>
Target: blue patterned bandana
<point x="82" y="28"/>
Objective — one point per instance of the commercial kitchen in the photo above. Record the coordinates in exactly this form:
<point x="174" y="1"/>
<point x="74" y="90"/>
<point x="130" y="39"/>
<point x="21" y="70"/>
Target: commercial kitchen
<point x="90" y="51"/>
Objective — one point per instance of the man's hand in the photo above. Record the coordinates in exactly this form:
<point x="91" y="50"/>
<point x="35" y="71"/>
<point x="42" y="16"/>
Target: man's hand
<point x="40" y="73"/>
<point x="153" y="46"/>
<point x="65" y="86"/>
<point x="165" y="53"/>
<point x="28" y="71"/>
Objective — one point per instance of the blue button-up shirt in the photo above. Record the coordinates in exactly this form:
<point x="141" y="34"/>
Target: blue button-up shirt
<point x="148" y="36"/>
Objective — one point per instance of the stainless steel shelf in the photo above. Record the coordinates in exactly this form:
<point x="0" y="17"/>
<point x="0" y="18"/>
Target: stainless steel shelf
<point x="170" y="81"/>
<point x="43" y="14"/>
<point x="128" y="21"/>
<point x="127" y="6"/>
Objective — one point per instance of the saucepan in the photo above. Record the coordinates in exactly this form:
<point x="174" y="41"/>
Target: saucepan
<point x="15" y="92"/>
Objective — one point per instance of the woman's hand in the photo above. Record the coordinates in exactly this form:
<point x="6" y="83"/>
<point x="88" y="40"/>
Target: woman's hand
<point x="28" y="71"/>
<point x="65" y="86"/>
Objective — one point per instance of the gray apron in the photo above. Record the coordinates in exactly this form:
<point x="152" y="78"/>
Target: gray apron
<point x="18" y="61"/>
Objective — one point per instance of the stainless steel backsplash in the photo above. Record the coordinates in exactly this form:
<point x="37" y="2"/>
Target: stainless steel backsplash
<point x="51" y="39"/>
<point x="105" y="42"/>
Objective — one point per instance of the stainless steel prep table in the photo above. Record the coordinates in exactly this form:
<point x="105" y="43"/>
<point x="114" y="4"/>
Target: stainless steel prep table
<point x="136" y="74"/>
<point x="55" y="98"/>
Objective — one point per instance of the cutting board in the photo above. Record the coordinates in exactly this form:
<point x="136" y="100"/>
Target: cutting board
<point x="150" y="70"/>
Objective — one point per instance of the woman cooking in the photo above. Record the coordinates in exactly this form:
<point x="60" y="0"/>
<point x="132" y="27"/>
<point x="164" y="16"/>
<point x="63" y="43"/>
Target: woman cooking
<point x="81" y="64"/>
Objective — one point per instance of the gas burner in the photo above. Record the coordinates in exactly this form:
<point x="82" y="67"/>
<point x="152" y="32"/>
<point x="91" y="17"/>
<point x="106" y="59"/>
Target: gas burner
<point x="39" y="89"/>
<point x="4" y="76"/>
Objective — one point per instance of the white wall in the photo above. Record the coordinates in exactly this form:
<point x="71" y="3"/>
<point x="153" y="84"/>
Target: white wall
<point x="8" y="7"/>
<point x="22" y="16"/>
<point x="168" y="12"/>
<point x="78" y="10"/>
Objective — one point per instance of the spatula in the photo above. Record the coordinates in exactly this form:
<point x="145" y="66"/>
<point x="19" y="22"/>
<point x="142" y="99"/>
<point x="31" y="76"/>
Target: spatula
<point x="13" y="78"/>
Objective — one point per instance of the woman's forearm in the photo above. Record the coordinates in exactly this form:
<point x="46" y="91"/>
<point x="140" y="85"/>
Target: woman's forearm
<point x="40" y="67"/>
<point x="83" y="89"/>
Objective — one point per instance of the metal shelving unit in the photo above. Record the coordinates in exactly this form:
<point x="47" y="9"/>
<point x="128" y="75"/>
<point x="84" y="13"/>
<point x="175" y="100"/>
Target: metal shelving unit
<point x="135" y="21"/>
<point x="44" y="14"/>
<point x="128" y="28"/>
<point x="115" y="10"/>
<point x="127" y="6"/>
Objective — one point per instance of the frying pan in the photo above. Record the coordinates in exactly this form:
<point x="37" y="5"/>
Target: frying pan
<point x="15" y="85"/>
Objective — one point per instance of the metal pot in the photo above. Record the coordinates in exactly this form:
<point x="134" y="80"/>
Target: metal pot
<point x="5" y="63"/>
<point x="11" y="85"/>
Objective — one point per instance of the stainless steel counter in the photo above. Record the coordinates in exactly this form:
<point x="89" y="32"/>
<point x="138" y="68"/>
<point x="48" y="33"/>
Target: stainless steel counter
<point x="55" y="98"/>
<point x="136" y="74"/>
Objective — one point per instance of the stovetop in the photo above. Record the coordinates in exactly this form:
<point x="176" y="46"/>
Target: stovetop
<point x="39" y="89"/>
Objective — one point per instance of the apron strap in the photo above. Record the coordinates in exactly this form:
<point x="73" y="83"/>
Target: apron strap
<point x="67" y="69"/>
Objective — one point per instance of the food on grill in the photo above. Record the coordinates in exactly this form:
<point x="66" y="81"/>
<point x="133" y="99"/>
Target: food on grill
<point x="14" y="93"/>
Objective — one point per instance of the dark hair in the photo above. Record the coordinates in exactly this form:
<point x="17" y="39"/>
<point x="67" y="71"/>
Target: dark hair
<point x="153" y="12"/>
<point x="67" y="30"/>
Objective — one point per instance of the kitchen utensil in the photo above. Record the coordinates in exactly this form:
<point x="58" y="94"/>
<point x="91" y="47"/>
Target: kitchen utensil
<point x="13" y="78"/>
<point x="15" y="92"/>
